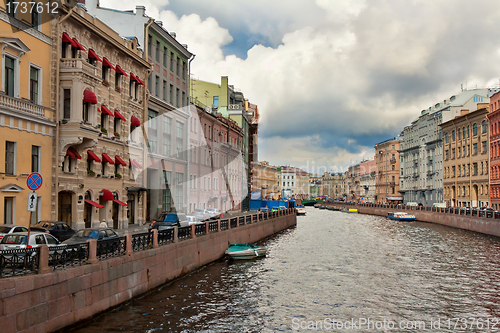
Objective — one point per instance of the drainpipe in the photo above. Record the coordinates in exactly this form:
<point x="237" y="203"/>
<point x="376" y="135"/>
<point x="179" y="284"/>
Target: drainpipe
<point x="56" y="155"/>
<point x="189" y="130"/>
<point x="145" y="116"/>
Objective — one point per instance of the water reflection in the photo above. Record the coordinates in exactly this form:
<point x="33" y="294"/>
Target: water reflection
<point x="332" y="265"/>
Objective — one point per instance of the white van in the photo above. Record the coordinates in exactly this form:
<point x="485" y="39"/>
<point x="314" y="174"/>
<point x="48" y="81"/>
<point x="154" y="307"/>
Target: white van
<point x="439" y="204"/>
<point x="412" y="204"/>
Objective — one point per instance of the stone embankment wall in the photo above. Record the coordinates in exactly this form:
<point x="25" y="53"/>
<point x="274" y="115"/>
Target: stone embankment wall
<point x="488" y="224"/>
<point x="52" y="301"/>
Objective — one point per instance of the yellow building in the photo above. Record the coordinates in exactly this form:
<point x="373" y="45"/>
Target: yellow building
<point x="26" y="114"/>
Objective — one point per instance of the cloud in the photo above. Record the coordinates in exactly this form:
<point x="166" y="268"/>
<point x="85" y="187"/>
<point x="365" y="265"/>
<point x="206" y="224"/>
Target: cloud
<point x="332" y="78"/>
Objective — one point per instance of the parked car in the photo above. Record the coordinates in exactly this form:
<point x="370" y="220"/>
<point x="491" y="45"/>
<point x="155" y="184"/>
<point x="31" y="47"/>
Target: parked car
<point x="59" y="230"/>
<point x="202" y="214"/>
<point x="192" y="219"/>
<point x="83" y="235"/>
<point x="170" y="220"/>
<point x="9" y="229"/>
<point x="16" y="241"/>
<point x="214" y="213"/>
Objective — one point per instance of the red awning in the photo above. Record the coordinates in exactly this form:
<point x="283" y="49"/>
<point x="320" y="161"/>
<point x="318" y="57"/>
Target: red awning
<point x="134" y="121"/>
<point x="89" y="97"/>
<point x="78" y="45"/>
<point x="107" y="195"/>
<point x="73" y="153"/>
<point x="106" y="110"/>
<point x="134" y="163"/>
<point x="118" y="160"/>
<point x="93" y="203"/>
<point x="120" y="70"/>
<point x="93" y="55"/>
<point x="105" y="62"/>
<point x="121" y="203"/>
<point x="133" y="78"/>
<point x="92" y="156"/>
<point x="67" y="39"/>
<point x="119" y="115"/>
<point x="106" y="158"/>
<point x="139" y="81"/>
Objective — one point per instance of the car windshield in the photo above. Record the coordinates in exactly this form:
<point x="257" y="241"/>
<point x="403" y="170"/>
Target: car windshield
<point x="198" y="210"/>
<point x="168" y="217"/>
<point x="14" y="239"/>
<point x="87" y="233"/>
<point x="5" y="230"/>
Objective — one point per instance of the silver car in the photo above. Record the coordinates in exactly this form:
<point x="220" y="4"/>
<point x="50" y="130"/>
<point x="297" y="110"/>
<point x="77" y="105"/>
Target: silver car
<point x="201" y="214"/>
<point x="9" y="229"/>
<point x="17" y="241"/>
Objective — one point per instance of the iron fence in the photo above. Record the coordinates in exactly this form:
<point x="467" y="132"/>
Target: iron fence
<point x="234" y="222"/>
<point x="70" y="255"/>
<point x="212" y="226"/>
<point x="200" y="229"/>
<point x="183" y="233"/>
<point x="165" y="236"/>
<point x="142" y="241"/>
<point x="224" y="224"/>
<point x="19" y="262"/>
<point x="241" y="220"/>
<point x="107" y="248"/>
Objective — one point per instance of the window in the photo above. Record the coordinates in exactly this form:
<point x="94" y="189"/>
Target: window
<point x="67" y="103"/>
<point x="35" y="18"/>
<point x="8" y="215"/>
<point x="485" y="126"/>
<point x="446" y="137"/>
<point x="104" y="121"/>
<point x="179" y="177"/>
<point x="164" y="90"/>
<point x="158" y="51"/>
<point x="474" y="151"/>
<point x="474" y="129"/>
<point x="178" y="66"/>
<point x="447" y="155"/>
<point x="179" y="141"/>
<point x="9" y="76"/>
<point x="453" y="153"/>
<point x="171" y="61"/>
<point x="485" y="147"/>
<point x="152" y="131"/>
<point x="167" y="195"/>
<point x="85" y="111"/>
<point x="150" y="48"/>
<point x="157" y="86"/>
<point x="177" y="97"/>
<point x="105" y="71"/>
<point x="463" y="132"/>
<point x="475" y="169"/>
<point x="459" y="134"/>
<point x="35" y="158"/>
<point x="216" y="102"/>
<point x="459" y="152"/>
<point x="468" y="130"/>
<point x="183" y="100"/>
<point x="166" y="146"/>
<point x="10" y="158"/>
<point x="453" y="136"/>
<point x="165" y="56"/>
<point x="393" y="167"/>
<point x="171" y="94"/>
<point x="453" y="171"/>
<point x="184" y="70"/>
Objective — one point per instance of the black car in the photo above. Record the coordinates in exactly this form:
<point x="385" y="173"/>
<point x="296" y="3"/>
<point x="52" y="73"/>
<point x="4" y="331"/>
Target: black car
<point x="83" y="235"/>
<point x="59" y="230"/>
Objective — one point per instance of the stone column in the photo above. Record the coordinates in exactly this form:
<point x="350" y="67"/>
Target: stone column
<point x="93" y="251"/>
<point x="155" y="238"/>
<point x="43" y="260"/>
<point x="128" y="244"/>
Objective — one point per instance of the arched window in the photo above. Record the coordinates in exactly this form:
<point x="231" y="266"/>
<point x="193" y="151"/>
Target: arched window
<point x="453" y="135"/>
<point x="485" y="126"/>
<point x="474" y="129"/>
<point x="468" y="130"/>
<point x="463" y="132"/>
<point x="447" y="139"/>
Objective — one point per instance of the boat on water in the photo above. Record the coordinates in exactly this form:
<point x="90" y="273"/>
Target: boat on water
<point x="301" y="210"/>
<point x="317" y="205"/>
<point x="322" y="207"/>
<point x="335" y="208"/>
<point x="245" y="251"/>
<point x="400" y="216"/>
<point x="350" y="210"/>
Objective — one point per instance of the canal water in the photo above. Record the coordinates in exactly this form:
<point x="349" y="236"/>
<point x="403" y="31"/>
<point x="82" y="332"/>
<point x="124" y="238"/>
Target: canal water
<point x="348" y="272"/>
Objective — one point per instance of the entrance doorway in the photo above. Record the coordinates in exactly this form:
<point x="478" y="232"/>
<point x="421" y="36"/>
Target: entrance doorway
<point x="131" y="209"/>
<point x="87" y="211"/>
<point x="65" y="207"/>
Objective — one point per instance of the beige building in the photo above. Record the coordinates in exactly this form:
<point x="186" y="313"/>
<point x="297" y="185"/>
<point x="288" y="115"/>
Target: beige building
<point x="294" y="182"/>
<point x="101" y="105"/>
<point x="387" y="180"/>
<point x="334" y="185"/>
<point x="466" y="157"/>
<point x="265" y="179"/>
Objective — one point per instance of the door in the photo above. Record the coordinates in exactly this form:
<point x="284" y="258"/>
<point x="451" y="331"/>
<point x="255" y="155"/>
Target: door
<point x="131" y="209"/>
<point x="115" y="215"/>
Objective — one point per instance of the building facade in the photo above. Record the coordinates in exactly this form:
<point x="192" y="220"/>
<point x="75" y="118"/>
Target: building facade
<point x="27" y="126"/>
<point x="421" y="153"/>
<point x="466" y="158"/>
<point x="101" y="102"/>
<point x="494" y="143"/>
<point x="367" y="180"/>
<point x="264" y="180"/>
<point x="294" y="183"/>
<point x="334" y="185"/>
<point x="387" y="179"/>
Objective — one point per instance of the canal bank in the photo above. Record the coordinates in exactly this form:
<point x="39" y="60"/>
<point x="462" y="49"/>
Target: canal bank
<point x="52" y="301"/>
<point x="451" y="217"/>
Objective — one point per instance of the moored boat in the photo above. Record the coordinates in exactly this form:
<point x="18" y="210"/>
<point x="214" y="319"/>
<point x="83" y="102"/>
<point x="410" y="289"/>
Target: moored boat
<point x="350" y="210"/>
<point x="400" y="216"/>
<point x="245" y="251"/>
<point x="317" y="205"/>
<point x="301" y="210"/>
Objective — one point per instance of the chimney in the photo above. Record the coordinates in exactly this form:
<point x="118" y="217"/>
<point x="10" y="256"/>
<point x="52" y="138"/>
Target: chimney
<point x="464" y="112"/>
<point x="173" y="34"/>
<point x="185" y="46"/>
<point x="140" y="10"/>
<point x="160" y="23"/>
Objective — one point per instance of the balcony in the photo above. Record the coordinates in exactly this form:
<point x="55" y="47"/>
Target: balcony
<point x="20" y="105"/>
<point x="392" y="160"/>
<point x="72" y="65"/>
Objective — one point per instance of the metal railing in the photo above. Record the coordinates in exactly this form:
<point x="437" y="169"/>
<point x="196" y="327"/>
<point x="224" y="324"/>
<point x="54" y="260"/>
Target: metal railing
<point x="19" y="262"/>
<point x="22" y="262"/>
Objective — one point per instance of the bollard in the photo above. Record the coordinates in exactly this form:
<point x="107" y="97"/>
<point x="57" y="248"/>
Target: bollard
<point x="207" y="228"/>
<point x="193" y="231"/>
<point x="218" y="225"/>
<point x="176" y="234"/>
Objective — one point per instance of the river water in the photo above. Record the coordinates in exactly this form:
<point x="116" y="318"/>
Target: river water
<point x="354" y="273"/>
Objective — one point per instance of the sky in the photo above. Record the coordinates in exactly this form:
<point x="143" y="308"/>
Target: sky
<point x="332" y="78"/>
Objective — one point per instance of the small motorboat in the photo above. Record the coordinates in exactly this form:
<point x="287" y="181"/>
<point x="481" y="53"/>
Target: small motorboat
<point x="334" y="208"/>
<point x="245" y="251"/>
<point x="317" y="205"/>
<point x="400" y="216"/>
<point x="301" y="210"/>
<point x="350" y="210"/>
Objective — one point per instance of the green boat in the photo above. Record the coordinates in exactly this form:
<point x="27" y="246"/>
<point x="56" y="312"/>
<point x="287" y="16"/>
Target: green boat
<point x="245" y="251"/>
<point x="311" y="202"/>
